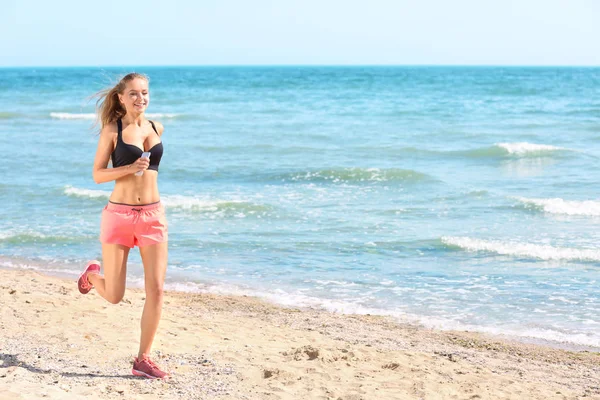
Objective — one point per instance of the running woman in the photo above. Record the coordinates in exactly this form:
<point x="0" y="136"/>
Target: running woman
<point x="134" y="215"/>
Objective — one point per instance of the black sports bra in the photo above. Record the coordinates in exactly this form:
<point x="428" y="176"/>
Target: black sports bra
<point x="125" y="154"/>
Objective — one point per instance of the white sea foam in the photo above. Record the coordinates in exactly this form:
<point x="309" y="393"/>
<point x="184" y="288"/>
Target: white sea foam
<point x="43" y="269"/>
<point x="89" y="193"/>
<point x="563" y="299"/>
<point x="517" y="249"/>
<point x="536" y="334"/>
<point x="524" y="148"/>
<point x="338" y="283"/>
<point x="174" y="201"/>
<point x="61" y="115"/>
<point x="190" y="202"/>
<point x="565" y="207"/>
<point x="57" y="115"/>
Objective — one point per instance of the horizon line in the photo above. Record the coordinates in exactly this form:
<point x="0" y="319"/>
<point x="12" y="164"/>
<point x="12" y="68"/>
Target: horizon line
<point x="308" y="65"/>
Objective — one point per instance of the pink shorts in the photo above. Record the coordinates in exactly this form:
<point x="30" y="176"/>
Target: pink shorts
<point x="131" y="225"/>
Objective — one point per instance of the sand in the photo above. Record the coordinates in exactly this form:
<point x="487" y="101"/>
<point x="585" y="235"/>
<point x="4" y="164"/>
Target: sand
<point x="58" y="344"/>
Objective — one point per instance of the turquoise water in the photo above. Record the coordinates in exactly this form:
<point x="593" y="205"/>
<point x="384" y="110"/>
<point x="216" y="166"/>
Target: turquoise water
<point x="459" y="198"/>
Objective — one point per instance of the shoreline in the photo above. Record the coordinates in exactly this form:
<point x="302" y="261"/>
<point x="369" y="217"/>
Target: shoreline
<point x="56" y="343"/>
<point x="28" y="265"/>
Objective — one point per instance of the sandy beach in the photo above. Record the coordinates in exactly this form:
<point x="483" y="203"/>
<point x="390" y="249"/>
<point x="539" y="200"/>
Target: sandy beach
<point x="58" y="344"/>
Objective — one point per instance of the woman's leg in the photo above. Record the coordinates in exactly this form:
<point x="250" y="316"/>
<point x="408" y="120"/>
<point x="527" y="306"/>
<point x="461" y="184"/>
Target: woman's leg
<point x="111" y="286"/>
<point x="154" y="258"/>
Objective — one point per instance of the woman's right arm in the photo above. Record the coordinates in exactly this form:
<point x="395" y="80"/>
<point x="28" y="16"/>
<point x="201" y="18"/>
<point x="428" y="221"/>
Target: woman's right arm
<point x="106" y="145"/>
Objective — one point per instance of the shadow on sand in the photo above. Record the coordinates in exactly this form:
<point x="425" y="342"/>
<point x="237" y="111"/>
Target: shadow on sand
<point x="12" y="360"/>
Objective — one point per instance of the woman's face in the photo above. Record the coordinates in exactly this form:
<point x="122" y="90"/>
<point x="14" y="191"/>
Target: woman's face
<point x="136" y="96"/>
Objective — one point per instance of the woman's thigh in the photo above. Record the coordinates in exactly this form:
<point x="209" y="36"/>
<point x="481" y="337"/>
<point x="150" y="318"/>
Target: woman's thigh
<point x="154" y="258"/>
<point x="114" y="262"/>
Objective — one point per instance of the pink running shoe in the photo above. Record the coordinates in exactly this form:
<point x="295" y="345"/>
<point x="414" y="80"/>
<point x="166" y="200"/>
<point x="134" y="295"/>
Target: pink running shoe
<point x="146" y="368"/>
<point x="83" y="284"/>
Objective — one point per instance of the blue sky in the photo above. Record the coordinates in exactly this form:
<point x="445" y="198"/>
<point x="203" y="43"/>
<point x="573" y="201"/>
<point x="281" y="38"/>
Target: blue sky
<point x="313" y="32"/>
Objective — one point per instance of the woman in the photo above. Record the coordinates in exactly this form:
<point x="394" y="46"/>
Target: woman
<point x="134" y="214"/>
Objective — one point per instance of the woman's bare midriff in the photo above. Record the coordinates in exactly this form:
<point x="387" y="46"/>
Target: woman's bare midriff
<point x="136" y="190"/>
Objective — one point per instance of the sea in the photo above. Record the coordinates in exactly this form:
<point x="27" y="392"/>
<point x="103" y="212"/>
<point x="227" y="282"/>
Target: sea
<point x="456" y="198"/>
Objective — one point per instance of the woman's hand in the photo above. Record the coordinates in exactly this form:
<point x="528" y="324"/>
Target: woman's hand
<point x="140" y="164"/>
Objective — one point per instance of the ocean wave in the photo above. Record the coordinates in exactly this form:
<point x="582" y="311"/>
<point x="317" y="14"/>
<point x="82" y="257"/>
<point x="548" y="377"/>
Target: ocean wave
<point x="355" y="175"/>
<point x="59" y="115"/>
<point x="563" y="207"/>
<point x="525" y="250"/>
<point x="87" y="193"/>
<point x="208" y="205"/>
<point x="495" y="151"/>
<point x="182" y="202"/>
<point x="36" y="237"/>
<point x="524" y="148"/>
<point x="517" y="149"/>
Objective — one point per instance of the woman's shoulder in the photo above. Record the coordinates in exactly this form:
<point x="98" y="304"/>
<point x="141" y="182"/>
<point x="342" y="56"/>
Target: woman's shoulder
<point x="159" y="127"/>
<point x="109" y="130"/>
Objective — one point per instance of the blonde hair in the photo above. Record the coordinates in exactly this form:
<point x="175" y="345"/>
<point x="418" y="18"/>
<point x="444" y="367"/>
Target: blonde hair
<point x="108" y="107"/>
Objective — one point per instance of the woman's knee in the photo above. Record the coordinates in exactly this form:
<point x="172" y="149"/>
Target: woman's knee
<point x="155" y="291"/>
<point x="115" y="297"/>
